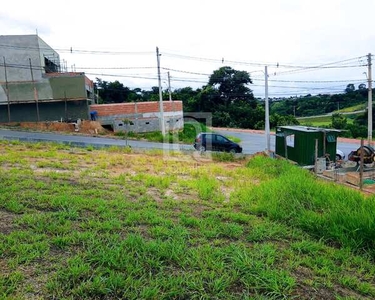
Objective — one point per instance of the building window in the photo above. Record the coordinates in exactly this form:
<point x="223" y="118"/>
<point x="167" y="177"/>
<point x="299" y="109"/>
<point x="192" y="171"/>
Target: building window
<point x="50" y="66"/>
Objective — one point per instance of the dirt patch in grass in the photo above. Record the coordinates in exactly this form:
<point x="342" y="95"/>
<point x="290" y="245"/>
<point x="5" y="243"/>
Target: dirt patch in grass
<point x="155" y="194"/>
<point x="87" y="127"/>
<point x="302" y="275"/>
<point x="170" y="193"/>
<point x="309" y="291"/>
<point x="6" y="222"/>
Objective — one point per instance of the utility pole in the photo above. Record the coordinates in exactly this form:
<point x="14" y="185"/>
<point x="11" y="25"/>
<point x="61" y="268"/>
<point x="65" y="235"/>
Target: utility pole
<point x="35" y="91"/>
<point x="267" y="121"/>
<point x="161" y="108"/>
<point x="7" y="88"/>
<point x="369" y="110"/>
<point x="169" y="87"/>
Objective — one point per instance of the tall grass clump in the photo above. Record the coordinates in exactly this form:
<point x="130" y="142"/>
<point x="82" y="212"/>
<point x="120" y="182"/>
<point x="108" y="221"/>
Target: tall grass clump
<point x="223" y="156"/>
<point x="325" y="210"/>
<point x="207" y="188"/>
<point x="269" y="167"/>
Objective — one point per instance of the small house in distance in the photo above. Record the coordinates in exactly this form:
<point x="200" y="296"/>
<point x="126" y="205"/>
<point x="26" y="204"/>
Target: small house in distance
<point x="298" y="143"/>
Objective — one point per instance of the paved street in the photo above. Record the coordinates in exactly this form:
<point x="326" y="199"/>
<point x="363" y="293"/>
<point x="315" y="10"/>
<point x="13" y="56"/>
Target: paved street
<point x="251" y="141"/>
<point x="254" y="141"/>
<point x="84" y="141"/>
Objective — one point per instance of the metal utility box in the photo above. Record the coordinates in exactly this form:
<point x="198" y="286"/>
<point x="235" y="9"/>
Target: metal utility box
<point x="297" y="143"/>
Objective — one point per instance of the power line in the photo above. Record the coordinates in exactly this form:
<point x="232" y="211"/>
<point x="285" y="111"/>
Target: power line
<point x="271" y="80"/>
<point x="24" y="66"/>
<point x="121" y="75"/>
<point x="76" y="51"/>
<point x="187" y="72"/>
<point x="326" y="65"/>
<point x="198" y="80"/>
<point x="258" y="64"/>
<point x="114" y="68"/>
<point x="262" y="64"/>
<point x="311" y="81"/>
<point x="300" y="87"/>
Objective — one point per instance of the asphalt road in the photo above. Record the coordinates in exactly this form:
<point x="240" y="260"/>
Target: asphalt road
<point x="84" y="141"/>
<point x="255" y="142"/>
<point x="251" y="142"/>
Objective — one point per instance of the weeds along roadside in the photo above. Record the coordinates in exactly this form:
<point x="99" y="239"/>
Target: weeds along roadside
<point x="325" y="210"/>
<point x="114" y="223"/>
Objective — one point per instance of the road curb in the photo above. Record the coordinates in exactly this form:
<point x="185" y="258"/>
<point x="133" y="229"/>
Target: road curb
<point x="163" y="147"/>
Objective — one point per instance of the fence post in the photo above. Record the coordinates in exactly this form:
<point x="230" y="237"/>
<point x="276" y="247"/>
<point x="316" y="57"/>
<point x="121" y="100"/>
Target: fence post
<point x="361" y="166"/>
<point x="316" y="156"/>
<point x="286" y="146"/>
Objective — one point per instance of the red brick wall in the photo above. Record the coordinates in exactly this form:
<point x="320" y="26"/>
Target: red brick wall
<point x="129" y="108"/>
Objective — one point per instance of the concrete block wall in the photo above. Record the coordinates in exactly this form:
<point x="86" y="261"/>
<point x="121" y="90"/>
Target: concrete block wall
<point x="143" y="116"/>
<point x="135" y="107"/>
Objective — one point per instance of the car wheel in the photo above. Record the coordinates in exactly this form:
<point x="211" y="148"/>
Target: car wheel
<point x="202" y="148"/>
<point x="233" y="150"/>
<point x="338" y="157"/>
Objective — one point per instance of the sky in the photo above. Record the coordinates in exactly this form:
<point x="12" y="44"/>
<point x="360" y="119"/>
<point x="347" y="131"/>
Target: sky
<point x="117" y="40"/>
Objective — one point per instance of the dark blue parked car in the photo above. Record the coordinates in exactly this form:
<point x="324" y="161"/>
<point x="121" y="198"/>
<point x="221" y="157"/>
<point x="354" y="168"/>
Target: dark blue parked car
<point x="215" y="142"/>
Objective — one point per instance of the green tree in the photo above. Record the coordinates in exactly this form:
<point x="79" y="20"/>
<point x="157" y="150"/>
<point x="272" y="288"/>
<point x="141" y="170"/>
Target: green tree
<point x="189" y="98"/>
<point x="362" y="86"/>
<point x="278" y="120"/>
<point x="231" y="86"/>
<point x="152" y="95"/>
<point x="350" y="88"/>
<point x="339" y="121"/>
<point x="207" y="100"/>
<point x="112" y="92"/>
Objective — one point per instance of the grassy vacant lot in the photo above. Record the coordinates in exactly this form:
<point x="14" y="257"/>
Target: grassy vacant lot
<point x="323" y="121"/>
<point x="110" y="224"/>
<point x="352" y="108"/>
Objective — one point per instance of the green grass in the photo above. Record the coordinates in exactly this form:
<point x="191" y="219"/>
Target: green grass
<point x="324" y="121"/>
<point x="352" y="108"/>
<point x="330" y="212"/>
<point x="234" y="139"/>
<point x="316" y="121"/>
<point x="115" y="224"/>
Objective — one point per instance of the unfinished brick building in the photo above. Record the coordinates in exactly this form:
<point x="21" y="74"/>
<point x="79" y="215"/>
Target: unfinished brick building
<point x="140" y="116"/>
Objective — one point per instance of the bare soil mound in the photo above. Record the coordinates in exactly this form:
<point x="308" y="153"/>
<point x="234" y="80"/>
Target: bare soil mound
<point x="86" y="127"/>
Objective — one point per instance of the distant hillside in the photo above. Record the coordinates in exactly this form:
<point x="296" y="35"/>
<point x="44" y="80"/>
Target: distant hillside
<point x="309" y="105"/>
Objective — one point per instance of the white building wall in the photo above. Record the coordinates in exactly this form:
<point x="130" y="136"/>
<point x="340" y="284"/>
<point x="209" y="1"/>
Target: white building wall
<point x="17" y="50"/>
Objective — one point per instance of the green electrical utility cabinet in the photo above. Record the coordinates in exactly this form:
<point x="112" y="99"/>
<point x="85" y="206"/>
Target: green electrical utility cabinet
<point x="297" y="143"/>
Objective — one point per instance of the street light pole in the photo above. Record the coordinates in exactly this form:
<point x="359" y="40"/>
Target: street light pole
<point x="169" y="87"/>
<point x="161" y="108"/>
<point x="267" y="119"/>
